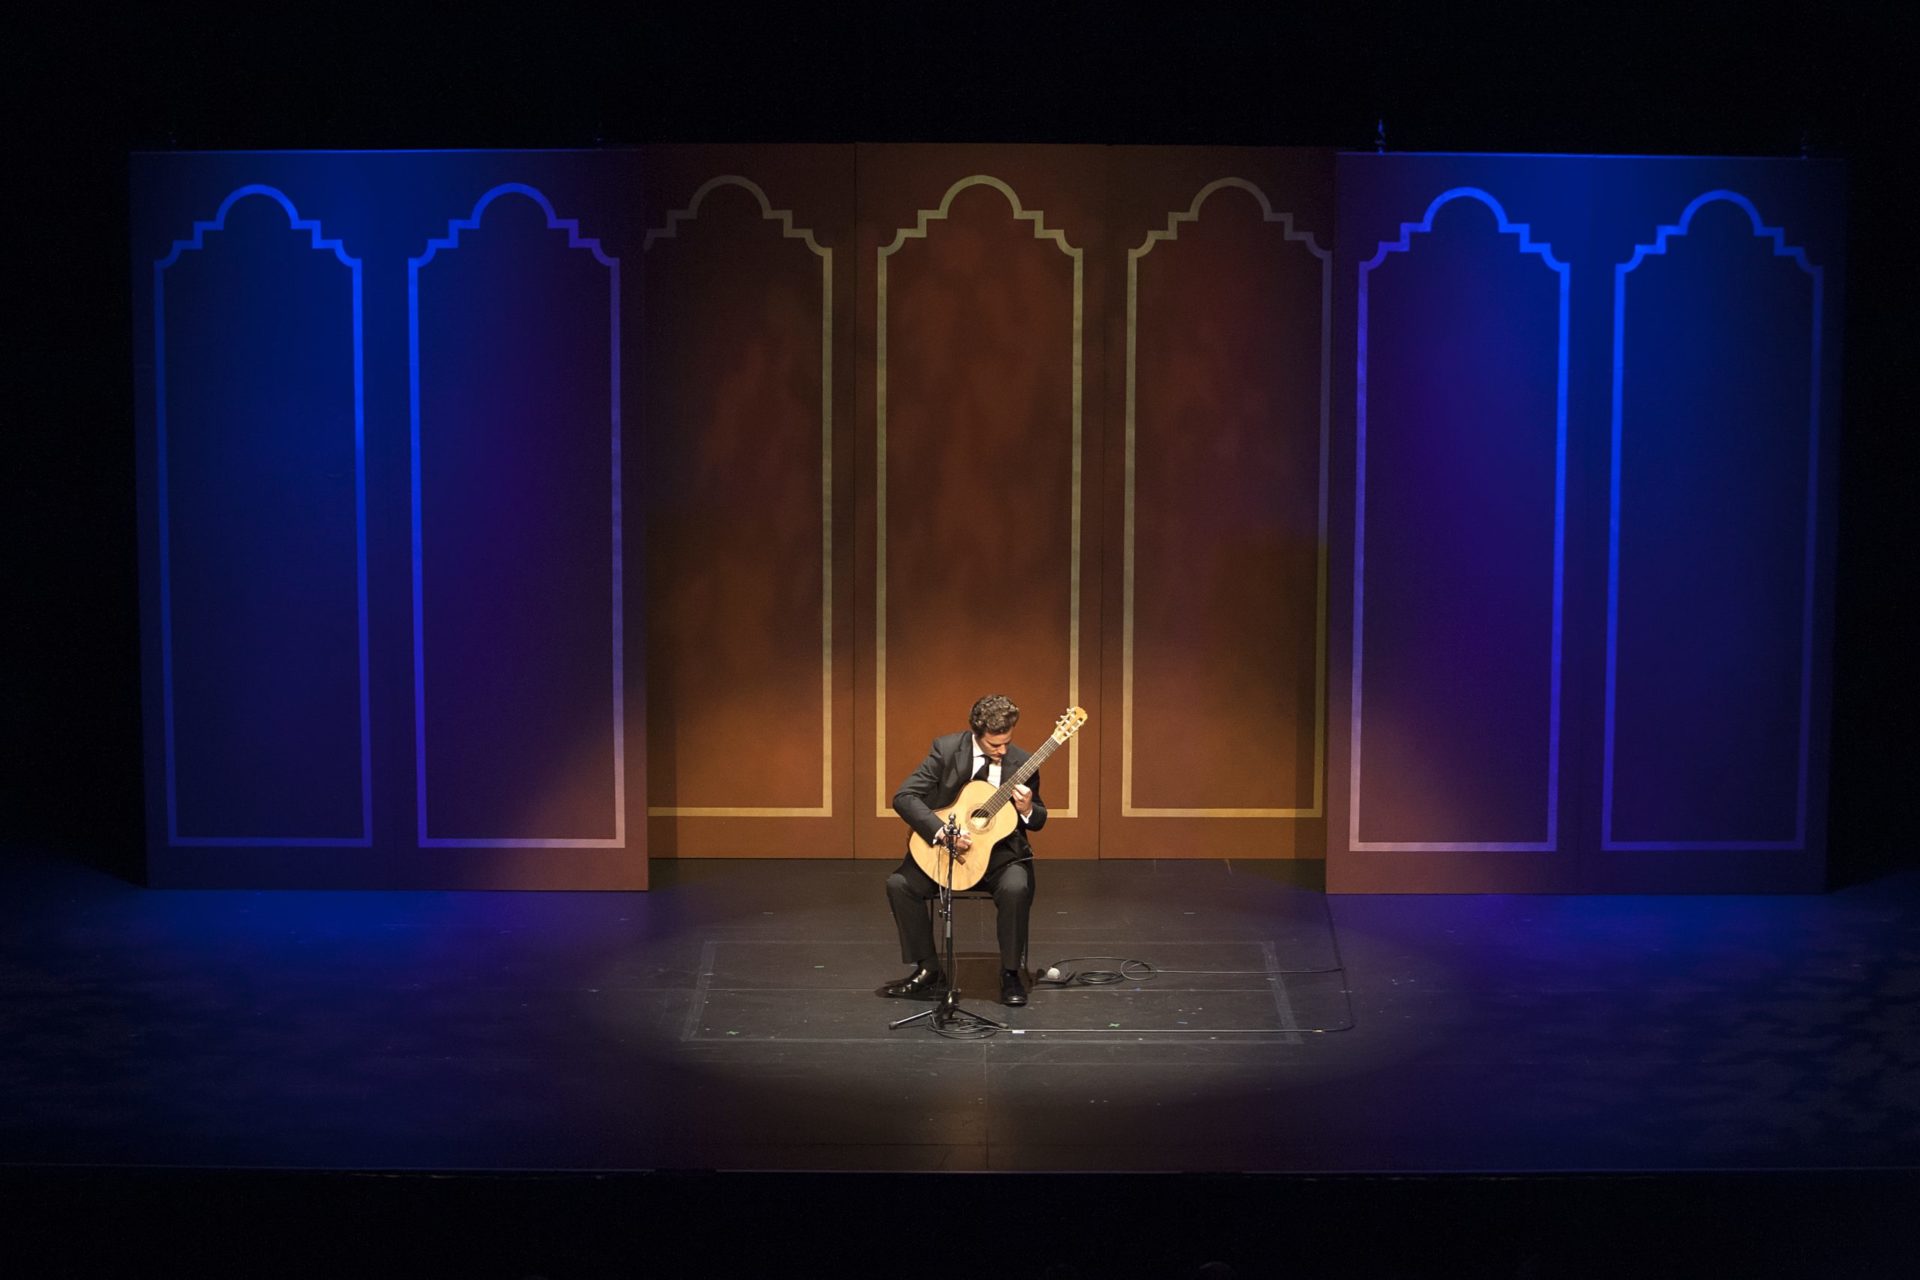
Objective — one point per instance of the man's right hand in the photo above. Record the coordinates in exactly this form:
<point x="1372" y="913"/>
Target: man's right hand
<point x="960" y="843"/>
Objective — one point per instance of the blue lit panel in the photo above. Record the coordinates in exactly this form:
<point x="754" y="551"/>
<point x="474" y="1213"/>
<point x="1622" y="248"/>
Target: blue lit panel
<point x="1459" y="535"/>
<point x="1712" y="537"/>
<point x="261" y="509"/>
<point x="514" y="335"/>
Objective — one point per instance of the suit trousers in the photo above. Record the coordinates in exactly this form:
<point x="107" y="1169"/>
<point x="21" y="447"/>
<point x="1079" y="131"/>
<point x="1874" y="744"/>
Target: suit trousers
<point x="910" y="888"/>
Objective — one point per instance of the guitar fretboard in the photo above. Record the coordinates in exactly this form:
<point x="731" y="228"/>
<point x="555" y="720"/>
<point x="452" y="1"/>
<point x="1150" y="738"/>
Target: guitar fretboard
<point x="1005" y="791"/>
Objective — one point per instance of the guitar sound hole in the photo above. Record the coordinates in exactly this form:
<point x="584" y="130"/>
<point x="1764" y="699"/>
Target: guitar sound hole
<point x="979" y="819"/>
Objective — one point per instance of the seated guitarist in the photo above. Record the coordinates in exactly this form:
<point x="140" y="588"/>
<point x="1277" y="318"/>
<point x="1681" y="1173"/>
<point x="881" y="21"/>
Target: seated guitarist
<point x="953" y="761"/>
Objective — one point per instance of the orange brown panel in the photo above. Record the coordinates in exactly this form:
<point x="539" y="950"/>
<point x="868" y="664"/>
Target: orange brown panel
<point x="1218" y="340"/>
<point x="746" y="718"/>
<point x="975" y="296"/>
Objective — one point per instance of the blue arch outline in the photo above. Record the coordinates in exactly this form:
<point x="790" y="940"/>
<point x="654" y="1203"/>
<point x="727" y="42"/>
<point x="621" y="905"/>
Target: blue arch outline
<point x="1522" y="232"/>
<point x="450" y="242"/>
<point x="1658" y="247"/>
<point x="472" y="222"/>
<point x="194" y="243"/>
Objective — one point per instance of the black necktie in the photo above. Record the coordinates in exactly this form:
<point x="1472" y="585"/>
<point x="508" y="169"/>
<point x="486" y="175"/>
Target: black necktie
<point x="980" y="775"/>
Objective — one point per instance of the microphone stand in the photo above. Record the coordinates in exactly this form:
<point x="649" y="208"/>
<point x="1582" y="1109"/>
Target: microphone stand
<point x="948" y="1010"/>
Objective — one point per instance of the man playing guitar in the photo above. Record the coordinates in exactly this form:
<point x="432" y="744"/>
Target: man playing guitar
<point x="984" y="752"/>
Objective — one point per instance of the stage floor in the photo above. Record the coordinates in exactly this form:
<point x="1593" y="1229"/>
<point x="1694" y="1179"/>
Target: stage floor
<point x="726" y="1020"/>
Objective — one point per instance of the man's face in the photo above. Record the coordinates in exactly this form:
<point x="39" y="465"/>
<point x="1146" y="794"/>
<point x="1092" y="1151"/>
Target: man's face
<point x="994" y="745"/>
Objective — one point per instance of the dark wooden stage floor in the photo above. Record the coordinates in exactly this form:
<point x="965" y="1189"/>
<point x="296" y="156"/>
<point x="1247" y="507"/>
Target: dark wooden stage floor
<point x="726" y="1021"/>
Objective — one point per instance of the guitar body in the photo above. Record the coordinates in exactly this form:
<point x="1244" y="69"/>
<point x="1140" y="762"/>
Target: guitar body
<point x="987" y="827"/>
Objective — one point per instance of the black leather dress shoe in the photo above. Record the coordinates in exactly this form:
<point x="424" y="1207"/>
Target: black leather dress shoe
<point x="924" y="983"/>
<point x="1013" y="988"/>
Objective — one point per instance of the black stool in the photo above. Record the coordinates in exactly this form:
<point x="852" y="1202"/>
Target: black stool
<point x="974" y="895"/>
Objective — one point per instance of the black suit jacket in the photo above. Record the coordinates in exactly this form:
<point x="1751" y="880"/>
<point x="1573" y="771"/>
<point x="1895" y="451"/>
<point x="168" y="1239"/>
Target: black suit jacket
<point x="938" y="781"/>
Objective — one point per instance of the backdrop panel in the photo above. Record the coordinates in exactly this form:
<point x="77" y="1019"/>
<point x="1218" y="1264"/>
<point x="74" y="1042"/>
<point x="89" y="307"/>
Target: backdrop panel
<point x="1715" y="513"/>
<point x="1219" y="364"/>
<point x="1459" y="494"/>
<point x="979" y="418"/>
<point x="259" y="503"/>
<point x="749" y="399"/>
<point x="514" y="319"/>
<point x="380" y="430"/>
<point x="1584" y="648"/>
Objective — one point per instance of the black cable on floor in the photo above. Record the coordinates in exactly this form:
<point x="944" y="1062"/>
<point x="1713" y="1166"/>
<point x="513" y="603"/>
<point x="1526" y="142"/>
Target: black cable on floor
<point x="965" y="1026"/>
<point x="1136" y="970"/>
<point x="1133" y="969"/>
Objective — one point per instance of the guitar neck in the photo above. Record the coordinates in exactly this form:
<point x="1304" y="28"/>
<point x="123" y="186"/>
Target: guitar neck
<point x="1025" y="771"/>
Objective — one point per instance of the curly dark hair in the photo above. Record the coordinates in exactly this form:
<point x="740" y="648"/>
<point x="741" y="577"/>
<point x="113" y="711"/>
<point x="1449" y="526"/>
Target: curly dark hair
<point x="994" y="713"/>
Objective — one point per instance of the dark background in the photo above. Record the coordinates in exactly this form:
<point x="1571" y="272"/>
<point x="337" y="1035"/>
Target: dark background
<point x="1705" y="79"/>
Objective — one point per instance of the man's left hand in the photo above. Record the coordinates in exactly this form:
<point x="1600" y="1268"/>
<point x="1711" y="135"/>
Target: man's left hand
<point x="1023" y="799"/>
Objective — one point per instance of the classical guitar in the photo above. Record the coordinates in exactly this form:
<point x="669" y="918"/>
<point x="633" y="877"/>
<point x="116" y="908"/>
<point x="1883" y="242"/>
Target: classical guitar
<point x="986" y="813"/>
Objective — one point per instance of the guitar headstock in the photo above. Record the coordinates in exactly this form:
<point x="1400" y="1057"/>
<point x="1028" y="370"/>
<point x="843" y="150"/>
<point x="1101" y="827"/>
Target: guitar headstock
<point x="1068" y="724"/>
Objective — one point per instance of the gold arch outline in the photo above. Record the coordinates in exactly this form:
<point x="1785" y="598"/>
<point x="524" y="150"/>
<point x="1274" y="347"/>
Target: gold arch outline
<point x="883" y="792"/>
<point x="668" y="231"/>
<point x="1172" y="232"/>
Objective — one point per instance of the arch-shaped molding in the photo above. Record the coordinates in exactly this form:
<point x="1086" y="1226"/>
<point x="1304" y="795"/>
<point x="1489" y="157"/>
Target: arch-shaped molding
<point x="941" y="211"/>
<point x="554" y="223"/>
<point x="450" y="242"/>
<point x="1192" y="214"/>
<point x="883" y="790"/>
<point x="669" y="230"/>
<point x="194" y="242"/>
<point x="197" y="240"/>
<point x="1521" y="231"/>
<point x="1522" y="234"/>
<point x="1663" y="235"/>
<point x="1171" y="231"/>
